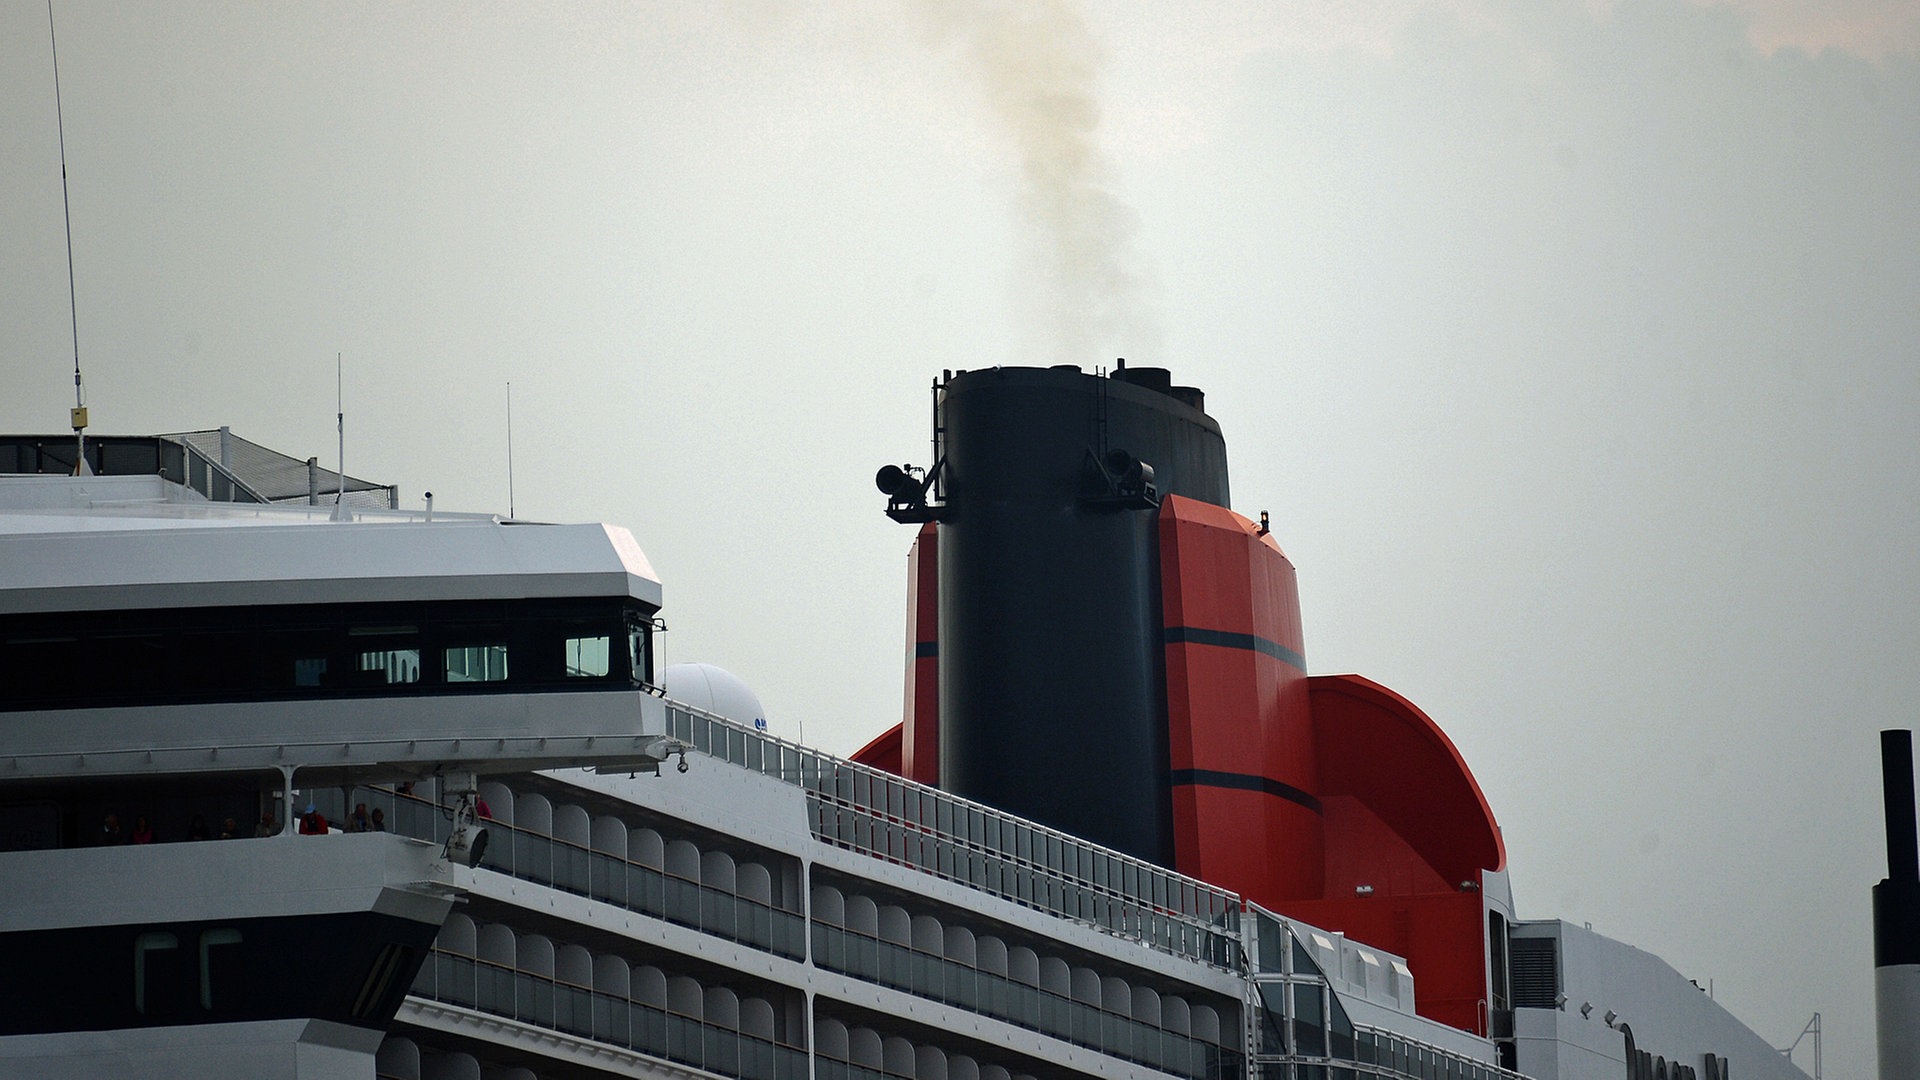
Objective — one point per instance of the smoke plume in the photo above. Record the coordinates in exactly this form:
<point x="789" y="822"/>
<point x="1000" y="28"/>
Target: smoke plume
<point x="1039" y="70"/>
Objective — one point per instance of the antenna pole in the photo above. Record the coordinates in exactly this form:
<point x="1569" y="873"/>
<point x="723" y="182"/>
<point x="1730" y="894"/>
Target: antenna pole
<point x="80" y="466"/>
<point x="340" y="421"/>
<point x="340" y="425"/>
<point x="510" y="512"/>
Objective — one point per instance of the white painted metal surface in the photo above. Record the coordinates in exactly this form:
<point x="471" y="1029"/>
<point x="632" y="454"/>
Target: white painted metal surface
<point x="1896" y="991"/>
<point x="282" y="557"/>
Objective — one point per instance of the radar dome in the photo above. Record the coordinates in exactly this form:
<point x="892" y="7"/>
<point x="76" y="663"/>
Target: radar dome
<point x="718" y="691"/>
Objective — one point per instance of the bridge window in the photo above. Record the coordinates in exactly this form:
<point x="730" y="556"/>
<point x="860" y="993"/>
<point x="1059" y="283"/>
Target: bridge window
<point x="94" y="658"/>
<point x="388" y="655"/>
<point x="589" y="657"/>
<point x="391" y="666"/>
<point x="640" y="651"/>
<point x="477" y="663"/>
<point x="128" y="662"/>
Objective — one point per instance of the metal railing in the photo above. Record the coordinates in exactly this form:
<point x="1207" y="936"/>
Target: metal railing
<point x="877" y="813"/>
<point x="1011" y="1001"/>
<point x="545" y="1002"/>
<point x="1384" y="1054"/>
<point x="548" y="860"/>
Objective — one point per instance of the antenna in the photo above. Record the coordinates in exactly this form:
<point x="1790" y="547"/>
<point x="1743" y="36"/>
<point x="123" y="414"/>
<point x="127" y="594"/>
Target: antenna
<point x="510" y="512"/>
<point x="1813" y="1029"/>
<point x="340" y="424"/>
<point x="79" y="414"/>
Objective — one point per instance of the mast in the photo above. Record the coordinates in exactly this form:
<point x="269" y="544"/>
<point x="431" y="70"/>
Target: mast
<point x="79" y="415"/>
<point x="510" y="513"/>
<point x="340" y="426"/>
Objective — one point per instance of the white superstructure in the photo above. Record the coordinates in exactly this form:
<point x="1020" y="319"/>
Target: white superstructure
<point x="753" y="909"/>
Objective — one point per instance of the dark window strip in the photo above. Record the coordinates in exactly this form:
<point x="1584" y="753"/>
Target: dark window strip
<point x="93" y="659"/>
<point x="101" y="978"/>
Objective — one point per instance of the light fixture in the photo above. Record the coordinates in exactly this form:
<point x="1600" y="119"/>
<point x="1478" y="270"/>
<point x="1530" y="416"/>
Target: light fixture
<point x="467" y="846"/>
<point x="1610" y="1017"/>
<point x="1363" y="890"/>
<point x="467" y="840"/>
<point x="1586" y="1009"/>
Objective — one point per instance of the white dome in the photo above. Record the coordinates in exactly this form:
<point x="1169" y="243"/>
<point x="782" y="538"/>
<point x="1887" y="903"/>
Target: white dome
<point x="718" y="691"/>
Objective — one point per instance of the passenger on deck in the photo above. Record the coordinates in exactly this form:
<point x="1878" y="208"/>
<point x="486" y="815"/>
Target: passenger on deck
<point x="110" y="834"/>
<point x="142" y="832"/>
<point x="379" y="821"/>
<point x="313" y="822"/>
<point x="357" y="821"/>
<point x="229" y="830"/>
<point x="267" y="826"/>
<point x="198" y="829"/>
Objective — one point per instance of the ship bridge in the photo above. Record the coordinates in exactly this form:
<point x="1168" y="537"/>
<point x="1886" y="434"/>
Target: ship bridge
<point x="193" y="618"/>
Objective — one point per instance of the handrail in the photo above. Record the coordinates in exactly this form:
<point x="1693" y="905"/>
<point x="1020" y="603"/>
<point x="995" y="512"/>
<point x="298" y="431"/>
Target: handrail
<point x="776" y="915"/>
<point x="1030" y="1020"/>
<point x="1212" y="911"/>
<point x="1491" y="1071"/>
<point x="430" y="973"/>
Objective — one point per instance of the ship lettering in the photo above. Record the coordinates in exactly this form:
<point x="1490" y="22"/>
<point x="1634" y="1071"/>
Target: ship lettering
<point x="1645" y="1065"/>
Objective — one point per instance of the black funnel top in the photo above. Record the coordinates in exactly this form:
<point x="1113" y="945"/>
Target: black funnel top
<point x="1896" y="772"/>
<point x="1896" y="901"/>
<point x="1051" y="697"/>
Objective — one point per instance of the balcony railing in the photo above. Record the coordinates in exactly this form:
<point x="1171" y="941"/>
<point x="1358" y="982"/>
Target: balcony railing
<point x="877" y="813"/>
<point x="548" y="860"/>
<point x="1023" y="1005"/>
<point x="591" y="1014"/>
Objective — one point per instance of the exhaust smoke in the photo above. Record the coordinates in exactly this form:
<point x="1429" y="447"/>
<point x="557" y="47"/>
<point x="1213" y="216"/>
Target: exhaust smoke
<point x="1039" y="70"/>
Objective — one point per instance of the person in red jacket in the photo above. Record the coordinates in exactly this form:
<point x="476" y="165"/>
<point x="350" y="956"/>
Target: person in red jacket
<point x="313" y="822"/>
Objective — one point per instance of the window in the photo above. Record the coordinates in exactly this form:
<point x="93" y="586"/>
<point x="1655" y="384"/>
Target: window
<point x="1341" y="1035"/>
<point x="87" y="659"/>
<point x="1497" y="959"/>
<point x="156" y="959"/>
<point x="379" y="983"/>
<point x="220" y="965"/>
<point x="296" y="656"/>
<point x="1309" y="1037"/>
<point x="308" y="671"/>
<point x="212" y="661"/>
<point x="391" y="666"/>
<point x="129" y="663"/>
<point x="385" y="655"/>
<point x="41" y="668"/>
<point x="640" y="651"/>
<point x="476" y="663"/>
<point x="589" y="657"/>
<point x="1272" y="938"/>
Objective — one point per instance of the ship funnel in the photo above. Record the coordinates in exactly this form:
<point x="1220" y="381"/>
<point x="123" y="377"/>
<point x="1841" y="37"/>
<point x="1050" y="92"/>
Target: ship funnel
<point x="1896" y="781"/>
<point x="1896" y="917"/>
<point x="1050" y="638"/>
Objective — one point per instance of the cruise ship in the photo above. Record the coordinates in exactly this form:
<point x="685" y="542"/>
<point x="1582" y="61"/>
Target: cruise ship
<point x="299" y="784"/>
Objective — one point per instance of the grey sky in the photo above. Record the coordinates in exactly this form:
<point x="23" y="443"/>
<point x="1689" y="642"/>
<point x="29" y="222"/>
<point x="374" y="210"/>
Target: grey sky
<point x="1572" y="346"/>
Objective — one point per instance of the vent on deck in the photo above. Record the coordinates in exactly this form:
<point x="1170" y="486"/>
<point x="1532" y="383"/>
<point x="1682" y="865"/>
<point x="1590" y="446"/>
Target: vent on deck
<point x="1536" y="973"/>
